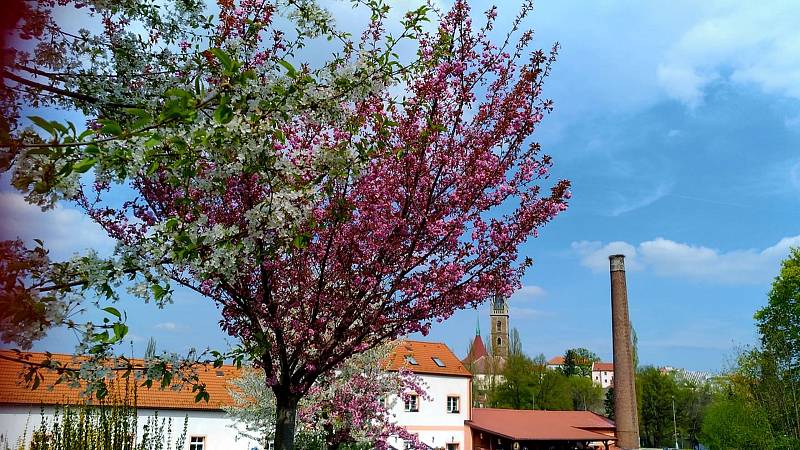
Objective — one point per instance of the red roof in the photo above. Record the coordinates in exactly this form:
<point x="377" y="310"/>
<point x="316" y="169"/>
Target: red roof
<point x="529" y="425"/>
<point x="556" y="361"/>
<point x="423" y="353"/>
<point x="476" y="350"/>
<point x="603" y="367"/>
<point x="14" y="392"/>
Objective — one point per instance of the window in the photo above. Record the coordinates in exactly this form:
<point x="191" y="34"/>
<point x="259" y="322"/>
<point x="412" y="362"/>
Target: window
<point x="452" y="446"/>
<point x="197" y="443"/>
<point x="412" y="403"/>
<point x="499" y="326"/>
<point x="408" y="445"/>
<point x="411" y="360"/>
<point x="452" y="404"/>
<point x="499" y="341"/>
<point x="438" y="361"/>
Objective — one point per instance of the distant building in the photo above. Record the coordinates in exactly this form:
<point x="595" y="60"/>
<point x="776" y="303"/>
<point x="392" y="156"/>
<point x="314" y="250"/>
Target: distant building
<point x="556" y="362"/>
<point x="688" y="376"/>
<point x="487" y="368"/>
<point x="498" y="319"/>
<point x="603" y="374"/>
<point x="439" y="419"/>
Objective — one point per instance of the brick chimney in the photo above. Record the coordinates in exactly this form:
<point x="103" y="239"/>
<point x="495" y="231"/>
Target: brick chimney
<point x="625" y="411"/>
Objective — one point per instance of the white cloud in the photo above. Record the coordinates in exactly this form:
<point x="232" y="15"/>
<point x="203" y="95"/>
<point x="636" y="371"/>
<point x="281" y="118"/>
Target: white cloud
<point x="528" y="293"/>
<point x="668" y="258"/>
<point x="64" y="231"/>
<point x="594" y="254"/>
<point x="748" y="43"/>
<point x="167" y="326"/>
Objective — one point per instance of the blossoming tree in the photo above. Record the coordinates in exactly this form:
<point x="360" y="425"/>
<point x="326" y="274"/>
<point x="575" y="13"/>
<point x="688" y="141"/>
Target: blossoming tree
<point x="325" y="208"/>
<point x="349" y="406"/>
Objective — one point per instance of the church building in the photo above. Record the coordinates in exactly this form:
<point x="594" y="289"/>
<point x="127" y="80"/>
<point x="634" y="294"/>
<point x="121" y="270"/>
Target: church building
<point x="487" y="368"/>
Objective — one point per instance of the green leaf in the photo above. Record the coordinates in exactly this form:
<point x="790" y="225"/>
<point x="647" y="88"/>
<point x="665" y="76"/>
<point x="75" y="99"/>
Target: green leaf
<point x="43" y="124"/>
<point x="153" y="141"/>
<point x="158" y="292"/>
<point x="143" y="117"/>
<point x="171" y="224"/>
<point x="290" y="70"/>
<point x="102" y="391"/>
<point x="223" y="58"/>
<point x="111" y="127"/>
<point x="202" y="395"/>
<point x="166" y="380"/>
<point x="113" y="311"/>
<point x="223" y="114"/>
<point x="120" y="330"/>
<point x="301" y="240"/>
<point x="84" y="165"/>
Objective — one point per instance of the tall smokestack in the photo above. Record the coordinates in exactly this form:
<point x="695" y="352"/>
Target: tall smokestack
<point x="625" y="411"/>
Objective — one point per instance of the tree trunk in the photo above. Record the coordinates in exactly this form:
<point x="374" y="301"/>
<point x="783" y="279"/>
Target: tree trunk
<point x="285" y="420"/>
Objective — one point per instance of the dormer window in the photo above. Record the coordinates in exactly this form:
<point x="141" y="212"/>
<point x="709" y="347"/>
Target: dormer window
<point x="411" y="360"/>
<point x="438" y="361"/>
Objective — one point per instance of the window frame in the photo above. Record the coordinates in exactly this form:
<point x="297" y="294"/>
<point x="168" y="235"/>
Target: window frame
<point x="458" y="404"/>
<point x="203" y="443"/>
<point x="411" y="407"/>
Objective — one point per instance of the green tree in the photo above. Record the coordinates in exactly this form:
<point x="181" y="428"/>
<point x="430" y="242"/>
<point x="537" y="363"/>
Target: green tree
<point x="779" y="366"/>
<point x="656" y="391"/>
<point x="586" y="395"/>
<point x="692" y="401"/>
<point x="578" y="361"/>
<point x="733" y="422"/>
<point x="608" y="403"/>
<point x="554" y="393"/>
<point x="517" y="390"/>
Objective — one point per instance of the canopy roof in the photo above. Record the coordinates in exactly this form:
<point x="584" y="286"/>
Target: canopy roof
<point x="528" y="425"/>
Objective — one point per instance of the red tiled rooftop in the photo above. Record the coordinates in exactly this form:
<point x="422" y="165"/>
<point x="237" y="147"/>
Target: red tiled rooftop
<point x="529" y="425"/>
<point x="14" y="392"/>
<point x="477" y="350"/>
<point x="603" y="367"/>
<point x="556" y="361"/>
<point x="423" y="353"/>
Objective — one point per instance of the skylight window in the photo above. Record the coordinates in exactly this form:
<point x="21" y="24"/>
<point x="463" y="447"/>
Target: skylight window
<point x="411" y="360"/>
<point x="438" y="361"/>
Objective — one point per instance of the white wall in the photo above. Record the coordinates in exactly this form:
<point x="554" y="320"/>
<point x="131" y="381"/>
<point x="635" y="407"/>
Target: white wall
<point x="603" y="378"/>
<point x="211" y="424"/>
<point x="434" y="425"/>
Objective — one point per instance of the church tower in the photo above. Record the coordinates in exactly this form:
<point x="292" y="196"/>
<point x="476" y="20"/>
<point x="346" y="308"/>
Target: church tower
<point x="498" y="320"/>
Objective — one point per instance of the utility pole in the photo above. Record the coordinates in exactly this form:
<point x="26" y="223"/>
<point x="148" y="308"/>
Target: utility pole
<point x="674" y="423"/>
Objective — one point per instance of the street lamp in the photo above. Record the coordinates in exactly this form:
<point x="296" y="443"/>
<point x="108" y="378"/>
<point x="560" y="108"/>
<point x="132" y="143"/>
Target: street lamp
<point x="674" y="423"/>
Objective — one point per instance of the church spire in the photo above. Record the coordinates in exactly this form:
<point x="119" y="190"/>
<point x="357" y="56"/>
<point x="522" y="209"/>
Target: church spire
<point x="477" y="322"/>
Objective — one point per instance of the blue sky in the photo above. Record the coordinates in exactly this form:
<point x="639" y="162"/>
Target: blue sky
<point x="678" y="124"/>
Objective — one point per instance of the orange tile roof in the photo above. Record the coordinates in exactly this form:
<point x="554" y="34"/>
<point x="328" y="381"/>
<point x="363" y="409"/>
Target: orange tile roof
<point x="529" y="425"/>
<point x="14" y="392"/>
<point x="603" y="367"/>
<point x="423" y="353"/>
<point x="556" y="361"/>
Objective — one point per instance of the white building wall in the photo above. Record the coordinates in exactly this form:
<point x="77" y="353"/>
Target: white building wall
<point x="434" y="425"/>
<point x="605" y="378"/>
<point x="17" y="422"/>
